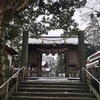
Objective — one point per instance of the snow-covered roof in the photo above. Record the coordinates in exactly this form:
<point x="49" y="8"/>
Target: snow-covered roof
<point x="92" y="64"/>
<point x="11" y="51"/>
<point x="93" y="60"/>
<point x="56" y="40"/>
<point x="94" y="56"/>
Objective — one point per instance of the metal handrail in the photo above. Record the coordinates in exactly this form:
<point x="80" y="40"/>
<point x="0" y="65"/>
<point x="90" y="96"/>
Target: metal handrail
<point x="90" y="85"/>
<point x="91" y="75"/>
<point x="7" y="82"/>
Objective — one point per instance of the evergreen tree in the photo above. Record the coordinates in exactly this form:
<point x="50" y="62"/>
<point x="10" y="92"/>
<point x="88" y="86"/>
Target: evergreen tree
<point x="92" y="33"/>
<point x="8" y="8"/>
<point x="90" y="15"/>
<point x="60" y="67"/>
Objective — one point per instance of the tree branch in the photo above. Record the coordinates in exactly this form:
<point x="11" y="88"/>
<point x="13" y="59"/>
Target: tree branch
<point x="98" y="2"/>
<point x="91" y="9"/>
<point x="24" y="5"/>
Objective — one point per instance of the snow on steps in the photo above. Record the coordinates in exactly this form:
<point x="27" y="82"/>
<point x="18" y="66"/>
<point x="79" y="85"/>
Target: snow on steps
<point x="52" y="89"/>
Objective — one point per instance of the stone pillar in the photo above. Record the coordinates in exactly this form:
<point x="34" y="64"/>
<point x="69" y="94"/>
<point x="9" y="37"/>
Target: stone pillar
<point x="40" y="66"/>
<point x="24" y="55"/>
<point x="66" y="64"/>
<point x="81" y="52"/>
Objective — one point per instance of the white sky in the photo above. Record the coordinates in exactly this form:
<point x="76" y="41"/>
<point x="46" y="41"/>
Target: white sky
<point x="78" y="19"/>
<point x="54" y="33"/>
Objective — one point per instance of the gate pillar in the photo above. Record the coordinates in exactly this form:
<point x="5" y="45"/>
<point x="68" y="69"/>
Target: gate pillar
<point x="66" y="64"/>
<point x="81" y="52"/>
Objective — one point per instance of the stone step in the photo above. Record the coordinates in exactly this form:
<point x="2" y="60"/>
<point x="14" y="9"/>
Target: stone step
<point x="53" y="94"/>
<point x="52" y="90"/>
<point x="48" y="98"/>
<point x="30" y="89"/>
<point x="53" y="86"/>
<point x="53" y="83"/>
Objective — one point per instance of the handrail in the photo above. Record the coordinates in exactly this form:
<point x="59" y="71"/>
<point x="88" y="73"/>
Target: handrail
<point x="11" y="78"/>
<point x="91" y="75"/>
<point x="7" y="82"/>
<point x="90" y="85"/>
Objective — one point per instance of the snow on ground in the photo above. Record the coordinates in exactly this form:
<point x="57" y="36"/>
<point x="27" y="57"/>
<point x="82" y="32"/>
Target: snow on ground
<point x="55" y="79"/>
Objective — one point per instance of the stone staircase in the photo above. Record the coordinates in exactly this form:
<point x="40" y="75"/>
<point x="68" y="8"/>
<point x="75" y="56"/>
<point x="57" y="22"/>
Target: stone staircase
<point x="52" y="89"/>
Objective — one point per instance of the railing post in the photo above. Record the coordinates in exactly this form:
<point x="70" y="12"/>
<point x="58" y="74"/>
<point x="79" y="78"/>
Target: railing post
<point x="90" y="83"/>
<point x="17" y="82"/>
<point x="99" y="88"/>
<point x="83" y="75"/>
<point x="7" y="91"/>
<point x="23" y="73"/>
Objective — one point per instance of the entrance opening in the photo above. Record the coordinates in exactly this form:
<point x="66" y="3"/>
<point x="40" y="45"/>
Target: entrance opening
<point x="54" y="66"/>
<point x="48" y="65"/>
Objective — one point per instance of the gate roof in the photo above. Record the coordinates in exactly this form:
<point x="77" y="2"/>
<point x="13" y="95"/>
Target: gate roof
<point x="54" y="40"/>
<point x="53" y="44"/>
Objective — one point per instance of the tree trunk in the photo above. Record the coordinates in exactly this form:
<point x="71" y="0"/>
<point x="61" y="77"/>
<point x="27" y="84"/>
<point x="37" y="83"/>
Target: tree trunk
<point x="3" y="53"/>
<point x="81" y="50"/>
<point x="2" y="47"/>
<point x="4" y="63"/>
<point x="1" y="21"/>
<point x="24" y="56"/>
